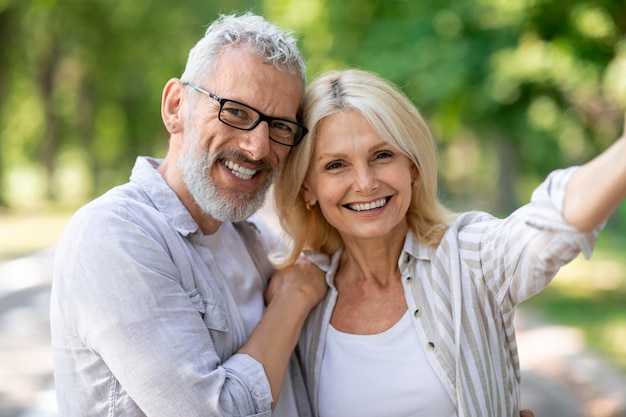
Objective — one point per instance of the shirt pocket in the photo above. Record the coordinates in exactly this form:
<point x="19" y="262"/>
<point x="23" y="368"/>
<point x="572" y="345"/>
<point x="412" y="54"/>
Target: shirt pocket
<point x="211" y="311"/>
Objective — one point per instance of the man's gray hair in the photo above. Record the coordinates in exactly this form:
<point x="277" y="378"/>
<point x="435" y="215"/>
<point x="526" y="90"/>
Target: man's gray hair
<point x="264" y="39"/>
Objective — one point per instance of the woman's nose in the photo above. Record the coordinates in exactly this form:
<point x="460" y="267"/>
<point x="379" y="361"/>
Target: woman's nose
<point x="365" y="180"/>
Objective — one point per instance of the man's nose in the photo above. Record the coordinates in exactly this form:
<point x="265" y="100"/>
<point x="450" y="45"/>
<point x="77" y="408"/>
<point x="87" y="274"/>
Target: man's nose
<point x="256" y="142"/>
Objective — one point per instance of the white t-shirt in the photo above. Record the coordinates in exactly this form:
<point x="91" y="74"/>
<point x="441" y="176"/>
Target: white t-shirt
<point x="246" y="287"/>
<point x="385" y="374"/>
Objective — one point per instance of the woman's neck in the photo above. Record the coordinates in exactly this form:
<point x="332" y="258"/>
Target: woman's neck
<point x="373" y="261"/>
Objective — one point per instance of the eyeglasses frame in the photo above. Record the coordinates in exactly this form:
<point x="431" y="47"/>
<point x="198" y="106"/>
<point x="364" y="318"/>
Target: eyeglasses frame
<point x="262" y="117"/>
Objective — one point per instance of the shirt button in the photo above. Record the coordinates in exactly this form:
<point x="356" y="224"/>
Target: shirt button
<point x="430" y="346"/>
<point x="408" y="280"/>
<point x="407" y="258"/>
<point x="417" y="313"/>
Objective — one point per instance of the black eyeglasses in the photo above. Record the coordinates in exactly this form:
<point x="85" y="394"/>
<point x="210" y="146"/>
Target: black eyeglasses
<point x="243" y="117"/>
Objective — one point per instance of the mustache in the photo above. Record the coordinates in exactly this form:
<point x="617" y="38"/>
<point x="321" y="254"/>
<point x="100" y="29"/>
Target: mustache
<point x="241" y="158"/>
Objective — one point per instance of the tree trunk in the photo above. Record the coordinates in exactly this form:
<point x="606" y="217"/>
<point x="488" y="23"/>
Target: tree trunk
<point x="50" y="141"/>
<point x="7" y="17"/>
<point x="508" y="159"/>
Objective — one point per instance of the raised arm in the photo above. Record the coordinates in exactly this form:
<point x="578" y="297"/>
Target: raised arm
<point x="597" y="188"/>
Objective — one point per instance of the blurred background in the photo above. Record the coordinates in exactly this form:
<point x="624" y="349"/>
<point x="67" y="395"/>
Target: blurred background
<point x="511" y="90"/>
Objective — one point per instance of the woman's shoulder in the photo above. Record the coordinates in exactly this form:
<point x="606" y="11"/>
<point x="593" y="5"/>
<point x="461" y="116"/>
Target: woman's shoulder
<point x="470" y="218"/>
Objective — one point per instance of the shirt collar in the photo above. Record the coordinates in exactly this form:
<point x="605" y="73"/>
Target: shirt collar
<point x="415" y="249"/>
<point x="145" y="175"/>
<point x="411" y="250"/>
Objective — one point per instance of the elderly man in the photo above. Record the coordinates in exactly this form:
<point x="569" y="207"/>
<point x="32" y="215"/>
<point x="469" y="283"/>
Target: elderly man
<point x="157" y="299"/>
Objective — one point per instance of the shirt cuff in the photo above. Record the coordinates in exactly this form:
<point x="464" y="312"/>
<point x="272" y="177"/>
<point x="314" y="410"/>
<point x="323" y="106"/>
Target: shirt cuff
<point x="547" y="203"/>
<point x="248" y="373"/>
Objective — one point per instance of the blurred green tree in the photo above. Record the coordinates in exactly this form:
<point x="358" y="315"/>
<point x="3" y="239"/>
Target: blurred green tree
<point x="510" y="89"/>
<point x="81" y="83"/>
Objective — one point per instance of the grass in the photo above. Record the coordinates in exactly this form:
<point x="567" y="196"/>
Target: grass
<point x="591" y="295"/>
<point x="29" y="230"/>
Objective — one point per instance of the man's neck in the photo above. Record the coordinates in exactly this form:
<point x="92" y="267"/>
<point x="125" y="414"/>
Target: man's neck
<point x="207" y="224"/>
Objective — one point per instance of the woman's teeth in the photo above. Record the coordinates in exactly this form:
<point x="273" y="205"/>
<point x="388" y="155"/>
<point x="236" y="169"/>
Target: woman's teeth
<point x="239" y="171"/>
<point x="368" y="206"/>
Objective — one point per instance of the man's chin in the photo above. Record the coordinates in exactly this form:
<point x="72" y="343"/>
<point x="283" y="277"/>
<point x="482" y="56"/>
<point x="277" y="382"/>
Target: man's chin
<point x="234" y="210"/>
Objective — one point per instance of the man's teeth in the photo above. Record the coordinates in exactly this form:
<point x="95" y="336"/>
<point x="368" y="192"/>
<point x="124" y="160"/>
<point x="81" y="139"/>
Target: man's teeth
<point x="239" y="171"/>
<point x="368" y="206"/>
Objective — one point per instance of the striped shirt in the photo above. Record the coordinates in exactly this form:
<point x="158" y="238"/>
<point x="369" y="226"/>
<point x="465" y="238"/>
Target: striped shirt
<point x="463" y="293"/>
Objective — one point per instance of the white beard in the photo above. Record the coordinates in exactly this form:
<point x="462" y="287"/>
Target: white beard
<point x="196" y="165"/>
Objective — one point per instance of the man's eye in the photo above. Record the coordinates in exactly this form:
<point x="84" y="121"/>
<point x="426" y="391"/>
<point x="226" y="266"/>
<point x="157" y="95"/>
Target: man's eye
<point x="236" y="112"/>
<point x="281" y="126"/>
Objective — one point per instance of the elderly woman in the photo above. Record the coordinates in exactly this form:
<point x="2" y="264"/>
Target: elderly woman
<point x="418" y="320"/>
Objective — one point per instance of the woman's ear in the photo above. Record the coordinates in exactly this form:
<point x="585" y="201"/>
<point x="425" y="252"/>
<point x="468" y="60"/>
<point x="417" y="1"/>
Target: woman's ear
<point x="309" y="197"/>
<point x="415" y="175"/>
<point x="171" y="106"/>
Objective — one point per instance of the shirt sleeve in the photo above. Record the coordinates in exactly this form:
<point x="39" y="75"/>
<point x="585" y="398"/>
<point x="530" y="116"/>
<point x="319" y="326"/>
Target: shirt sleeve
<point x="519" y="255"/>
<point x="119" y="285"/>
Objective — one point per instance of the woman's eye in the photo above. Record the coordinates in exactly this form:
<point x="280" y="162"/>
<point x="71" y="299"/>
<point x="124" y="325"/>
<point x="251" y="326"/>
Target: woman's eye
<point x="333" y="165"/>
<point x="382" y="155"/>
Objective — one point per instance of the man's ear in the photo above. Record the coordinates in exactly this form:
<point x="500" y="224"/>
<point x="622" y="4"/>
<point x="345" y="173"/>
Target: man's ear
<point x="172" y="106"/>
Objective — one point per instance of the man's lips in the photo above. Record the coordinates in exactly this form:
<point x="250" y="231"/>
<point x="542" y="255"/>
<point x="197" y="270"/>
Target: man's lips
<point x="239" y="171"/>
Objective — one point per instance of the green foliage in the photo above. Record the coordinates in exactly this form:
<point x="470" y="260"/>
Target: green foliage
<point x="535" y="80"/>
<point x="88" y="75"/>
<point x="524" y="86"/>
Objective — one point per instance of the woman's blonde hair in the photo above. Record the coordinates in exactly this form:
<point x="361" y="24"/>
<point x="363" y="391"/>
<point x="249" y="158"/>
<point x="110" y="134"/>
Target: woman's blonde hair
<point x="396" y="120"/>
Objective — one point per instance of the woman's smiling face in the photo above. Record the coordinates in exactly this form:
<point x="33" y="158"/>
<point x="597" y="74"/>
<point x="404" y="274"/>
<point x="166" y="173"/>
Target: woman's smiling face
<point x="362" y="183"/>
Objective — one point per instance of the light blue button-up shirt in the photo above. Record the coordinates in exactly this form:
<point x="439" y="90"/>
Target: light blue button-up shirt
<point x="142" y="322"/>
